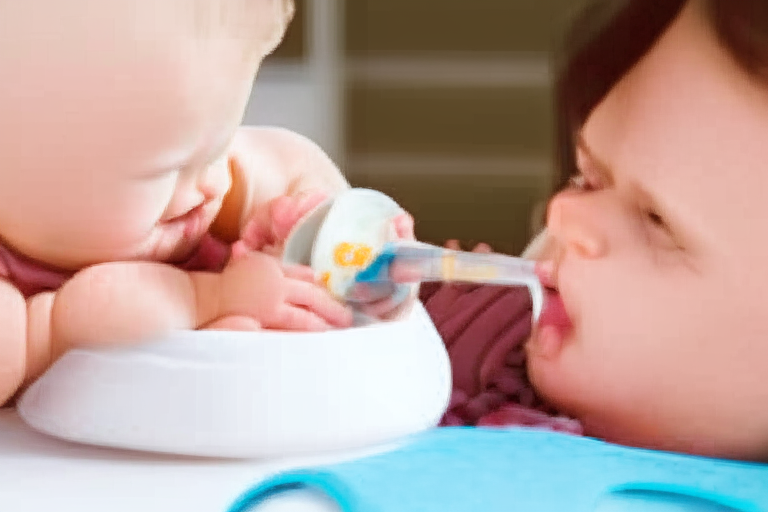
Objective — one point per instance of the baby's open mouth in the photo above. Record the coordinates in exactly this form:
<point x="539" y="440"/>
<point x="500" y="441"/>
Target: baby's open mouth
<point x="554" y="316"/>
<point x="554" y="312"/>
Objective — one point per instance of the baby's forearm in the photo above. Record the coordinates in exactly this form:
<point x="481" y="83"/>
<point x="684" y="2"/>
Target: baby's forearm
<point x="116" y="303"/>
<point x="38" y="334"/>
<point x="13" y="329"/>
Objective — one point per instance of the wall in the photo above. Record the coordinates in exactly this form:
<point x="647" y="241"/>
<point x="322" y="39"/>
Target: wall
<point x="443" y="104"/>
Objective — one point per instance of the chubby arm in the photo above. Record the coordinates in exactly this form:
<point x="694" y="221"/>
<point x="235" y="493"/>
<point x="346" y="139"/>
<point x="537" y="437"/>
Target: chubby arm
<point x="115" y="303"/>
<point x="128" y="302"/>
<point x="266" y="163"/>
<point x="13" y="337"/>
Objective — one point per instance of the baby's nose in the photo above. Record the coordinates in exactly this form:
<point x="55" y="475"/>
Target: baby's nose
<point x="572" y="221"/>
<point x="214" y="181"/>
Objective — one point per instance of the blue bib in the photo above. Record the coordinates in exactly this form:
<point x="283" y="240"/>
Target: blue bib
<point x="466" y="469"/>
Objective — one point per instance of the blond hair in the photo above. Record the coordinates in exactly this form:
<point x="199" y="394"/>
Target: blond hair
<point x="241" y="19"/>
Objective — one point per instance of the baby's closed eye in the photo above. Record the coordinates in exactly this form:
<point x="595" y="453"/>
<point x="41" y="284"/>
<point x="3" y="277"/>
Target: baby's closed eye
<point x="657" y="229"/>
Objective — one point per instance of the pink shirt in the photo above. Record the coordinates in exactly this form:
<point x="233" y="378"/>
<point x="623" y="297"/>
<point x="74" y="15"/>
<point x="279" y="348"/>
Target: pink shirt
<point x="32" y="277"/>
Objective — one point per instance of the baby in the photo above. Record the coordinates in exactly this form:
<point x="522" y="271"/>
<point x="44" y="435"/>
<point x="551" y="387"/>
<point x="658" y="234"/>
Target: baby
<point x="124" y="179"/>
<point x="655" y="332"/>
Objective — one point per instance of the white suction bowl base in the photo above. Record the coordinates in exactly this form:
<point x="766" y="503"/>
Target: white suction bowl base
<point x="240" y="394"/>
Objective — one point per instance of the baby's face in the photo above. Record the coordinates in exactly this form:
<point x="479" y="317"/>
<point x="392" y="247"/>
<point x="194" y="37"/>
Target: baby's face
<point x="116" y="120"/>
<point x="661" y="258"/>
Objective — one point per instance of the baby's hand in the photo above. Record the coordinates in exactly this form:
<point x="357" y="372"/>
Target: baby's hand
<point x="379" y="300"/>
<point x="258" y="292"/>
<point x="271" y="222"/>
<point x="308" y="306"/>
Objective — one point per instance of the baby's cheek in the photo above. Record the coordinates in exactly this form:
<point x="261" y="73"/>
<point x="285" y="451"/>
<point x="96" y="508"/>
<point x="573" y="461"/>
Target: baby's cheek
<point x="126" y="218"/>
<point x="140" y="213"/>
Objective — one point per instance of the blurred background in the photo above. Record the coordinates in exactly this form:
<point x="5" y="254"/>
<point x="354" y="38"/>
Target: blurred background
<point x="443" y="104"/>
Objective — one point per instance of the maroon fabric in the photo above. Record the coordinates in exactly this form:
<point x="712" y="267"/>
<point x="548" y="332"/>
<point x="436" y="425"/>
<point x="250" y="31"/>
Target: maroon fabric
<point x="484" y="329"/>
<point x="32" y="277"/>
<point x="29" y="276"/>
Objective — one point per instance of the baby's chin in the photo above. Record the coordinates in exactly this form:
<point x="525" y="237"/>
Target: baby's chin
<point x="561" y="378"/>
<point x="630" y="423"/>
<point x="553" y="382"/>
<point x="640" y="431"/>
<point x="547" y="374"/>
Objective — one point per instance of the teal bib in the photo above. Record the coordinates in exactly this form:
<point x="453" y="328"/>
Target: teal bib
<point x="493" y="470"/>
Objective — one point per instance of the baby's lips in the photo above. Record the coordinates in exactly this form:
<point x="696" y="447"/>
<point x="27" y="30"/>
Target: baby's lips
<point x="545" y="270"/>
<point x="554" y="312"/>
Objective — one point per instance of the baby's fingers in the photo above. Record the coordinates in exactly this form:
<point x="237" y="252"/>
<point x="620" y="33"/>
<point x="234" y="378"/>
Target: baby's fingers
<point x="299" y="272"/>
<point x="403" y="225"/>
<point x="366" y="293"/>
<point x="380" y="309"/>
<point x="454" y="245"/>
<point x="391" y="307"/>
<point x="257" y="232"/>
<point x="404" y="272"/>
<point x="319" y="302"/>
<point x="287" y="211"/>
<point x="293" y="318"/>
<point x="233" y="323"/>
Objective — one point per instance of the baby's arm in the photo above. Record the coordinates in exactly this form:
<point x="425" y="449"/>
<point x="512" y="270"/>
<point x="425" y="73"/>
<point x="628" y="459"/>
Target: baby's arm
<point x="266" y="164"/>
<point x="117" y="303"/>
<point x="114" y="303"/>
<point x="13" y="334"/>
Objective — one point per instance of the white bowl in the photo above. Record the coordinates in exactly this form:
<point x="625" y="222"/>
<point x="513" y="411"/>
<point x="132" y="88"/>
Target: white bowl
<point x="240" y="394"/>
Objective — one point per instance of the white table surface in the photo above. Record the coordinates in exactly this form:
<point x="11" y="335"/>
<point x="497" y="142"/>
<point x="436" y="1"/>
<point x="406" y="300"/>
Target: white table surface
<point x="43" y="474"/>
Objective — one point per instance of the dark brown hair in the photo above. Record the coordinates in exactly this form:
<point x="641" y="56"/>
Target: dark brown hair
<point x="610" y="36"/>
